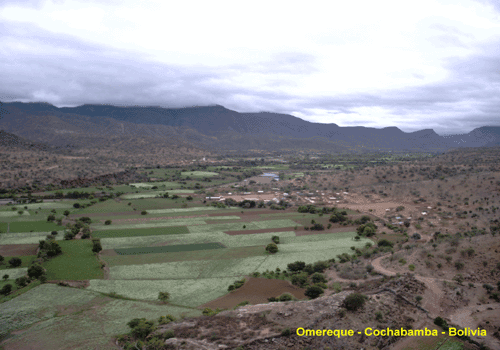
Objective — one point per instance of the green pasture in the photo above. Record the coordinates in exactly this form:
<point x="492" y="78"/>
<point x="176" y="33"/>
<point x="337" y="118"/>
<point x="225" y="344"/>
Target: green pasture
<point x="181" y="210"/>
<point x="50" y="205"/>
<point x="153" y="224"/>
<point x="12" y="213"/>
<point x="109" y="206"/>
<point x="77" y="262"/>
<point x="169" y="248"/>
<point x="140" y="232"/>
<point x="27" y="226"/>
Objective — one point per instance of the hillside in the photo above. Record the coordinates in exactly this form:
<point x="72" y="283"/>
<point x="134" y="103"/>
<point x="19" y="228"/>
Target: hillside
<point x="218" y="128"/>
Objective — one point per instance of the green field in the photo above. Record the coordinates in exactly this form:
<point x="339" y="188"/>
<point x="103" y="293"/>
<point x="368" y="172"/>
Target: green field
<point x="169" y="248"/>
<point x="26" y="262"/>
<point x="199" y="173"/>
<point x="140" y="232"/>
<point x="28" y="226"/>
<point x="77" y="262"/>
<point x="27" y="237"/>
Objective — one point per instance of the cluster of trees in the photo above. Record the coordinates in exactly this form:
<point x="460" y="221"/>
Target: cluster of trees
<point x="273" y="247"/>
<point x="48" y="248"/>
<point x="313" y="210"/>
<point x="309" y="276"/>
<point x="237" y="284"/>
<point x="96" y="245"/>
<point x="81" y="224"/>
<point x="140" y="335"/>
<point x="35" y="271"/>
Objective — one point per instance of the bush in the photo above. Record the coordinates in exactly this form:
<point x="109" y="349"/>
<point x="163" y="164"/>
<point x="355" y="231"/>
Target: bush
<point x="299" y="279"/>
<point x="459" y="265"/>
<point x="21" y="282"/>
<point x="296" y="266"/>
<point x="318" y="278"/>
<point x="354" y="301"/>
<point x="142" y="328"/>
<point x="163" y="296"/>
<point x="15" y="262"/>
<point x="411" y="267"/>
<point x="1" y="259"/>
<point x="276" y="239"/>
<point x="272" y="248"/>
<point x="285" y="297"/>
<point x="53" y="233"/>
<point x="107" y="222"/>
<point x="385" y="243"/>
<point x="144" y="212"/>
<point x="169" y="333"/>
<point x="6" y="289"/>
<point x="166" y="319"/>
<point x="441" y="322"/>
<point x="96" y="246"/>
<point x="313" y="292"/>
<point x="320" y="266"/>
<point x="286" y="332"/>
<point x="51" y="217"/>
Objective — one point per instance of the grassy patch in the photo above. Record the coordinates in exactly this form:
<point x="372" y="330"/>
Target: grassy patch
<point x="141" y="232"/>
<point x="28" y="226"/>
<point x="14" y="272"/>
<point x="15" y="291"/>
<point x="169" y="248"/>
<point x="199" y="173"/>
<point x="77" y="262"/>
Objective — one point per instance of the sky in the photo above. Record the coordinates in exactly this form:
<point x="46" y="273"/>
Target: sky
<point x="427" y="64"/>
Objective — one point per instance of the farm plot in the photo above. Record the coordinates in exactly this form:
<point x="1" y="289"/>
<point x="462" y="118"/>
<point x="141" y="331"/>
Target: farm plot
<point x="49" y="205"/>
<point x="168" y="184"/>
<point x="171" y="270"/>
<point x="17" y="249"/>
<point x="199" y="173"/>
<point x="186" y="292"/>
<point x="15" y="273"/>
<point x="26" y="237"/>
<point x="113" y="259"/>
<point x="153" y="194"/>
<point x="27" y="226"/>
<point x="256" y="225"/>
<point x="155" y="224"/>
<point x="232" y="267"/>
<point x="26" y="261"/>
<point x="179" y="210"/>
<point x="77" y="262"/>
<point x="169" y="248"/>
<point x="12" y="213"/>
<point x="140" y="232"/>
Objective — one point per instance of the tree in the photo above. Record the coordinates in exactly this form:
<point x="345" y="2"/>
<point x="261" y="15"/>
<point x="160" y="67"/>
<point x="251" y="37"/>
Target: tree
<point x="354" y="301"/>
<point x="1" y="259"/>
<point x="5" y="277"/>
<point x="51" y="217"/>
<point x="337" y="217"/>
<point x="35" y="271"/>
<point x="107" y="222"/>
<point x="96" y="246"/>
<point x="15" y="262"/>
<point x="66" y="213"/>
<point x="163" y="296"/>
<point x="296" y="266"/>
<point x="272" y="248"/>
<point x="6" y="289"/>
<point x="313" y="292"/>
<point x="276" y="239"/>
<point x="144" y="212"/>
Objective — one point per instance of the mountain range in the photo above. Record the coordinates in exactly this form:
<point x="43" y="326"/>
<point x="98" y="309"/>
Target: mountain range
<point x="218" y="128"/>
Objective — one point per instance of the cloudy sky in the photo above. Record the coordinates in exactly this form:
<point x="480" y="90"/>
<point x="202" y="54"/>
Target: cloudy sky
<point x="415" y="65"/>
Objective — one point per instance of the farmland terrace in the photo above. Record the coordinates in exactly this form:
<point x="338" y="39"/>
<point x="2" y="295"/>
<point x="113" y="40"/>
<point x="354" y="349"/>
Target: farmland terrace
<point x="191" y="248"/>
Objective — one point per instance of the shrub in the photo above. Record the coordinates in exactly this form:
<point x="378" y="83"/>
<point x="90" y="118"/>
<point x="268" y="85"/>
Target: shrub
<point x="96" y="246"/>
<point x="142" y="328"/>
<point x="296" y="266"/>
<point x="15" y="262"/>
<point x="299" y="279"/>
<point x="354" y="301"/>
<point x="459" y="265"/>
<point x="441" y="322"/>
<point x="51" y="217"/>
<point x="276" y="239"/>
<point x="21" y="282"/>
<point x="313" y="292"/>
<point x="144" y="212"/>
<point x="286" y="332"/>
<point x="272" y="248"/>
<point x="163" y="296"/>
<point x="318" y="278"/>
<point x="5" y="277"/>
<point x="411" y="267"/>
<point x="1" y="259"/>
<point x="169" y="333"/>
<point x="285" y="297"/>
<point x="166" y="319"/>
<point x="107" y="222"/>
<point x="385" y="243"/>
<point x="6" y="289"/>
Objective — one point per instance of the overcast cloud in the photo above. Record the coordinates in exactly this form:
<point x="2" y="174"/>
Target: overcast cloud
<point x="427" y="64"/>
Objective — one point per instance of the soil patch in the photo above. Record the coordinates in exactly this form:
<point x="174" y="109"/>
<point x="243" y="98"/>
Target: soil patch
<point x="18" y="249"/>
<point x="108" y="252"/>
<point x="256" y="291"/>
<point x="265" y="230"/>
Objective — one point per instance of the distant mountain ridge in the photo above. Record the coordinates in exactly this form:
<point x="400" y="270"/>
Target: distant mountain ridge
<point x="221" y="128"/>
